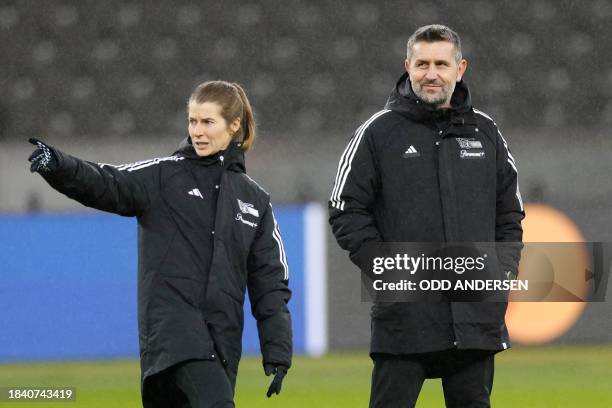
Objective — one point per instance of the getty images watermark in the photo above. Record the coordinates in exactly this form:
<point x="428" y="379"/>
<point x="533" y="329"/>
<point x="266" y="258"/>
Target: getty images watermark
<point x="431" y="264"/>
<point x="484" y="271"/>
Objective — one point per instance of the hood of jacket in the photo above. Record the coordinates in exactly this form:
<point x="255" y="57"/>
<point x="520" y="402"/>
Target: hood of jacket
<point x="404" y="101"/>
<point x="233" y="156"/>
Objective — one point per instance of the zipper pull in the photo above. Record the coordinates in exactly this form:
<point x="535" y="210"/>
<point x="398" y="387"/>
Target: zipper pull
<point x="221" y="158"/>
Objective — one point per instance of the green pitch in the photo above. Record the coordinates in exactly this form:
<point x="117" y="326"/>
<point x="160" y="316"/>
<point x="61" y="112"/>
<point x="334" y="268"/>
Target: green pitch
<point x="567" y="376"/>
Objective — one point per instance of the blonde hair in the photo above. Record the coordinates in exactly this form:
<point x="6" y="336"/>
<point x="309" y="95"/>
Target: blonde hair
<point x="234" y="104"/>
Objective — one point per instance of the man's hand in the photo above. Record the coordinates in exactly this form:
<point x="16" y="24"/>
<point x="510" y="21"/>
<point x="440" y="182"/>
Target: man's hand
<point x="279" y="372"/>
<point x="511" y="275"/>
<point x="43" y="158"/>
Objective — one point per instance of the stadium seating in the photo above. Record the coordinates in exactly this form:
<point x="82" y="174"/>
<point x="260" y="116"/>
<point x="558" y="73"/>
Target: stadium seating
<point x="91" y="68"/>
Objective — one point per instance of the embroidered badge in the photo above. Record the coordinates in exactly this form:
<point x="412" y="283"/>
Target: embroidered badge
<point x="469" y="143"/>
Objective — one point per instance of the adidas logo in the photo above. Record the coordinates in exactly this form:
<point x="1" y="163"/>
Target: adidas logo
<point x="195" y="192"/>
<point x="411" y="152"/>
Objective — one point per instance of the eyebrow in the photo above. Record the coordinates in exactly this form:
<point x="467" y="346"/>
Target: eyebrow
<point x="418" y="61"/>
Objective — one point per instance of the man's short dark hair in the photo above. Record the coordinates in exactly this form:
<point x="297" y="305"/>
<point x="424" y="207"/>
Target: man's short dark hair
<point x="433" y="33"/>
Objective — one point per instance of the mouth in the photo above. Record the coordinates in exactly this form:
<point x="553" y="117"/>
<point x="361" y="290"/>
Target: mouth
<point x="201" y="145"/>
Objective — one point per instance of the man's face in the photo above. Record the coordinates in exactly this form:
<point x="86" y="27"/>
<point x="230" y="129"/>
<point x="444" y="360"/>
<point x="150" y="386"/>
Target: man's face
<point x="434" y="71"/>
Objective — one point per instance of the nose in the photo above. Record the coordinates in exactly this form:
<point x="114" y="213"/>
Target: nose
<point x="431" y="73"/>
<point x="198" y="130"/>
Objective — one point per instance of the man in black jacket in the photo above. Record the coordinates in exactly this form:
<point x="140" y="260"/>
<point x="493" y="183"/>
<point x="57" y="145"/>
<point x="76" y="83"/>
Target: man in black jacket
<point x="430" y="168"/>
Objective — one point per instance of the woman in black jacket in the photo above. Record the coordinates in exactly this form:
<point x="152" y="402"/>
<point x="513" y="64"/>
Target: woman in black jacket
<point x="206" y="234"/>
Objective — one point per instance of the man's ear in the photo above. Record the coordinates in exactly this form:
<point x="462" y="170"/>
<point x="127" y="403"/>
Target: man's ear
<point x="462" y="68"/>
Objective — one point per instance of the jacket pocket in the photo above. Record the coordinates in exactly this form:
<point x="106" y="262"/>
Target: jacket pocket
<point x="233" y="296"/>
<point x="384" y="311"/>
<point x="184" y="290"/>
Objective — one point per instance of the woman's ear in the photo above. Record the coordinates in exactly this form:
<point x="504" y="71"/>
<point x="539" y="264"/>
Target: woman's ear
<point x="235" y="125"/>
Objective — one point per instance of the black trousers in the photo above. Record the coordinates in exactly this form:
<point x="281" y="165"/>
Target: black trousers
<point x="190" y="384"/>
<point x="467" y="378"/>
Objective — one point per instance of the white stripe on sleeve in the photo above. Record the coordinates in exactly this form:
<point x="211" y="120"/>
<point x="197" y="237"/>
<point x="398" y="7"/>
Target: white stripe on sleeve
<point x="142" y="164"/>
<point x="281" y="248"/>
<point x="511" y="160"/>
<point x="344" y="166"/>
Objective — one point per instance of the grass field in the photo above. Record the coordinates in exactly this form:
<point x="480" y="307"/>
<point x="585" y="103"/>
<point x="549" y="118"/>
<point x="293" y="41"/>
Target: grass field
<point x="562" y="376"/>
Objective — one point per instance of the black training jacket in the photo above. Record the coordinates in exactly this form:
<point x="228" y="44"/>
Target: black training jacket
<point x="412" y="173"/>
<point x="180" y="316"/>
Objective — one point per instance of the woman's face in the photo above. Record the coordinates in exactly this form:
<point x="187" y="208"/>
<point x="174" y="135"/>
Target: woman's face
<point x="209" y="131"/>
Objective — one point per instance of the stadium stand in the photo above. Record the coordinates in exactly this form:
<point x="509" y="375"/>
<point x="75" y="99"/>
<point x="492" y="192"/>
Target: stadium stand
<point x="90" y="68"/>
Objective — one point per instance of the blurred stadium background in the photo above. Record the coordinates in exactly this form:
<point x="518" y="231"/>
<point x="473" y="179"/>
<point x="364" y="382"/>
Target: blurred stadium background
<point x="108" y="82"/>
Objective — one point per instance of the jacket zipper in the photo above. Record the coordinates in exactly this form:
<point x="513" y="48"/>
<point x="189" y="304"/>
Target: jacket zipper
<point x="440" y="135"/>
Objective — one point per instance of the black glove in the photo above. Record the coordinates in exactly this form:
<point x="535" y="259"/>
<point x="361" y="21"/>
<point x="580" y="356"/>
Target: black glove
<point x="279" y="372"/>
<point x="43" y="158"/>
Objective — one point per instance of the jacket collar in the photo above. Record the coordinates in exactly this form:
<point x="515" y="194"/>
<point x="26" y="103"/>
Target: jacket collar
<point x="404" y="101"/>
<point x="232" y="157"/>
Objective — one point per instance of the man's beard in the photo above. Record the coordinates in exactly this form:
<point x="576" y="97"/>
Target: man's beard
<point x="434" y="100"/>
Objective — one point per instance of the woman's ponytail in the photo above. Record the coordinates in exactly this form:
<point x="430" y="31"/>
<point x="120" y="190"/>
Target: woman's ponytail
<point x="247" y="122"/>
